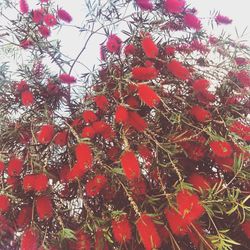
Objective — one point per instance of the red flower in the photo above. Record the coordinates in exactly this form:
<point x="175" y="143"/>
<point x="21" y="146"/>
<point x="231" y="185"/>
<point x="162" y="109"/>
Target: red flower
<point x="169" y="50"/>
<point x="219" y="19"/>
<point x="64" y="15"/>
<point x="2" y="167"/>
<point x="129" y="50"/>
<point x="27" y="98"/>
<point x="61" y="138"/>
<point x="101" y="102"/>
<point x="178" y="70"/>
<point x="133" y="102"/>
<point x="26" y="43"/>
<point x="37" y="15"/>
<point x="46" y="133"/>
<point x="66" y="78"/>
<point x="148" y="95"/>
<point x="113" y="153"/>
<point x="22" y="86"/>
<point x="189" y="206"/>
<point x="144" y="73"/>
<point x="114" y="44"/>
<point x="136" y="121"/>
<point x="246" y="228"/>
<point x="130" y="165"/>
<point x="4" y="203"/>
<point x="88" y="132"/>
<point x="241" y="130"/>
<point x="35" y="182"/>
<point x="200" y="114"/>
<point x="174" y="6"/>
<point x="148" y="233"/>
<point x="221" y="148"/>
<point x="121" y="229"/>
<point x="192" y="22"/>
<point x="199" y="181"/>
<point x="145" y="152"/>
<point x="138" y="187"/>
<point x="77" y="171"/>
<point x="121" y="114"/>
<point x="44" y="31"/>
<point x="24" y="8"/>
<point x="144" y="4"/>
<point x="50" y="20"/>
<point x="94" y="186"/>
<point x="89" y="116"/>
<point x="200" y="85"/>
<point x="84" y="154"/>
<point x="100" y="242"/>
<point x="29" y="240"/>
<point x="44" y="207"/>
<point x="82" y="241"/>
<point x="241" y="61"/>
<point x="24" y="216"/>
<point x="15" y="167"/>
<point x="243" y="77"/>
<point x="195" y="151"/>
<point x="225" y="163"/>
<point x="149" y="47"/>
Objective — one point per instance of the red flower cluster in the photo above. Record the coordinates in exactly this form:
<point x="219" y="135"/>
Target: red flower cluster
<point x="241" y="130"/>
<point x="130" y="165"/>
<point x="44" y="31"/>
<point x="121" y="114"/>
<point x="2" y="167"/>
<point x="4" y="203"/>
<point x="193" y="22"/>
<point x="136" y="121"/>
<point x="24" y="216"/>
<point x="200" y="114"/>
<point x="29" y="240"/>
<point x="27" y="98"/>
<point x="89" y="116"/>
<point x="35" y="182"/>
<point x="129" y="49"/>
<point x="44" y="207"/>
<point x="66" y="78"/>
<point x="144" y="4"/>
<point x="88" y="132"/>
<point x="174" y="6"/>
<point x="94" y="186"/>
<point x="24" y="8"/>
<point x="219" y="19"/>
<point x="82" y="241"/>
<point x="15" y="167"/>
<point x="149" y="47"/>
<point x="46" y="133"/>
<point x="199" y="181"/>
<point x="114" y="44"/>
<point x="37" y="16"/>
<point x="148" y="95"/>
<point x="243" y="77"/>
<point x="178" y="70"/>
<point x="200" y="85"/>
<point x="61" y="138"/>
<point x="84" y="154"/>
<point x="121" y="229"/>
<point x="144" y="73"/>
<point x="50" y="20"/>
<point x="64" y="15"/>
<point x="101" y="102"/>
<point x="221" y="148"/>
<point x="148" y="232"/>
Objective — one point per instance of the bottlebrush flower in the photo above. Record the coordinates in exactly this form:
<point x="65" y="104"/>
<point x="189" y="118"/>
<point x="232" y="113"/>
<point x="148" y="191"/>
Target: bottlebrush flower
<point x="144" y="73"/>
<point x="241" y="130"/>
<point x="149" y="47"/>
<point x="130" y="165"/>
<point x="178" y="70"/>
<point x="2" y="167"/>
<point x="29" y="240"/>
<point x="225" y="163"/>
<point x="35" y="182"/>
<point x="145" y="152"/>
<point x="241" y="61"/>
<point x="94" y="186"/>
<point x="199" y="181"/>
<point x="193" y="22"/>
<point x="66" y="78"/>
<point x="44" y="31"/>
<point x="88" y="132"/>
<point x="200" y="114"/>
<point x="200" y="85"/>
<point x="24" y="8"/>
<point x="37" y="15"/>
<point x="144" y="4"/>
<point x="148" y="95"/>
<point x="148" y="233"/>
<point x="136" y="121"/>
<point x="45" y="134"/>
<point x="100" y="242"/>
<point x="221" y="148"/>
<point x="15" y="167"/>
<point x="129" y="50"/>
<point x="195" y="151"/>
<point x="24" y="216"/>
<point x="44" y="207"/>
<point x="27" y="98"/>
<point x="174" y="6"/>
<point x="89" y="116"/>
<point x="22" y="86"/>
<point x="84" y="154"/>
<point x="138" y="187"/>
<point x="77" y="171"/>
<point x="219" y="19"/>
<point x="49" y="20"/>
<point x="82" y="241"/>
<point x="121" y="114"/>
<point x="64" y="15"/>
<point x="4" y="203"/>
<point x="189" y="206"/>
<point x="243" y="77"/>
<point x="170" y="50"/>
<point x="246" y="228"/>
<point x="121" y="229"/>
<point x="61" y="138"/>
<point x="114" y="44"/>
<point x="26" y="43"/>
<point x="133" y="102"/>
<point x="101" y="102"/>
